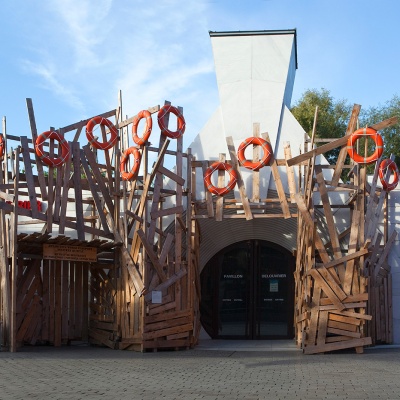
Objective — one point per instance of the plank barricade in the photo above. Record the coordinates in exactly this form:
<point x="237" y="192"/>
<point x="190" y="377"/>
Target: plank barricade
<point x="88" y="256"/>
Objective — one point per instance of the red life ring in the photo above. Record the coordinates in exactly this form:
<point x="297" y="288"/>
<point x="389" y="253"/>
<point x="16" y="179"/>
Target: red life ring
<point x="127" y="176"/>
<point x="2" y="144"/>
<point x="65" y="150"/>
<point x="267" y="150"/>
<point x="383" y="167"/>
<point x="147" y="129"/>
<point x="180" y="120"/>
<point x="365" y="132"/>
<point x="102" y="121"/>
<point x="220" y="166"/>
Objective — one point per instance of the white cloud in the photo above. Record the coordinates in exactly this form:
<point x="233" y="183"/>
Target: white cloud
<point x="86" y="24"/>
<point x="50" y="82"/>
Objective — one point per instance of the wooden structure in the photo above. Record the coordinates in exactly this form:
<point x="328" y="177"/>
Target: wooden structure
<point x="343" y="283"/>
<point x="138" y="292"/>
<point x="141" y="290"/>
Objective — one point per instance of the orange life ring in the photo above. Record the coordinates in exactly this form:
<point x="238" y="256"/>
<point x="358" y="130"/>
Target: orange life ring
<point x="127" y="176"/>
<point x="147" y="129"/>
<point x="267" y="150"/>
<point x="65" y="150"/>
<point x="2" y="144"/>
<point x="180" y="122"/>
<point x="102" y="121"/>
<point x="220" y="166"/>
<point x="383" y="167"/>
<point x="365" y="132"/>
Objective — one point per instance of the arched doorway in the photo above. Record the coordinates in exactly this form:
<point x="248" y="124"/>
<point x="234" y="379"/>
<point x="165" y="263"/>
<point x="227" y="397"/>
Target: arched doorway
<point x="247" y="292"/>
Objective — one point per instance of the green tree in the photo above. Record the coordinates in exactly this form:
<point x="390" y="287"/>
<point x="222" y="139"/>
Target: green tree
<point x="391" y="135"/>
<point x="333" y="117"/>
<point x="332" y="120"/>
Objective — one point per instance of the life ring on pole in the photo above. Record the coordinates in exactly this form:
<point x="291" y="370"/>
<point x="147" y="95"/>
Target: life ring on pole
<point x="2" y="144"/>
<point x="365" y="132"/>
<point x="101" y="121"/>
<point x="180" y="122"/>
<point x="383" y="167"/>
<point x="65" y="150"/>
<point x="220" y="166"/>
<point x="127" y="176"/>
<point x="140" y="141"/>
<point x="266" y="158"/>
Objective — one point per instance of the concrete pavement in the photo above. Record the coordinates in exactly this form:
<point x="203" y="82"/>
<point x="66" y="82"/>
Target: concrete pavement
<point x="83" y="372"/>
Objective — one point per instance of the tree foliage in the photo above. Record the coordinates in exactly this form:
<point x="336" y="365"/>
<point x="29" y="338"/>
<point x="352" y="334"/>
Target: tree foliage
<point x="334" y="115"/>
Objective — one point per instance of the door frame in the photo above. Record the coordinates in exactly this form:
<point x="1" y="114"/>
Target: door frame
<point x="212" y="290"/>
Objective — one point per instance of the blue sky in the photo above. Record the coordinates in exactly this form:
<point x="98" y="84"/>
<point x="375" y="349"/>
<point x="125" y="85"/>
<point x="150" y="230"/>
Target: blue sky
<point x="72" y="56"/>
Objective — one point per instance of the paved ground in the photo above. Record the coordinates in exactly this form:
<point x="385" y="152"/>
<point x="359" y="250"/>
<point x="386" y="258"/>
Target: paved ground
<point x="81" y="372"/>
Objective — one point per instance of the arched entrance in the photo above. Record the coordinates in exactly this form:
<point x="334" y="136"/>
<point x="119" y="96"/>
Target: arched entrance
<point x="247" y="292"/>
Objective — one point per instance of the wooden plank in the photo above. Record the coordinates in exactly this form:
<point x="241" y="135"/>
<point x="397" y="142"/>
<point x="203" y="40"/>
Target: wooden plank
<point x="343" y="151"/>
<point x="338" y="345"/>
<point x="343" y="326"/>
<point x="156" y="326"/>
<point x="352" y="315"/>
<point x="309" y="221"/>
<point x="167" y="331"/>
<point x="290" y="172"/>
<point x="28" y="319"/>
<point x="166" y="316"/>
<point x="29" y="176"/>
<point x="326" y="288"/>
<point x="341" y="295"/>
<point x="57" y="304"/>
<point x="153" y="257"/>
<point x="166" y="211"/>
<point x="39" y="166"/>
<point x="344" y="259"/>
<point x="102" y="337"/>
<point x="64" y="299"/>
<point x="84" y="122"/>
<point x="80" y="224"/>
<point x="209" y="202"/>
<point x="170" y="281"/>
<point x="346" y="306"/>
<point x="64" y="195"/>
<point x="385" y="253"/>
<point x="336" y="143"/>
<point x="166" y="248"/>
<point x="85" y="301"/>
<point x="256" y="157"/>
<point x="339" y="317"/>
<point x="334" y="239"/>
<point x="99" y="178"/>
<point x="176" y="178"/>
<point x="14" y="255"/>
<point x="78" y="299"/>
<point x="343" y="332"/>
<point x="219" y="204"/>
<point x="385" y="124"/>
<point x="94" y="191"/>
<point x="322" y="327"/>
<point x="317" y="151"/>
<point x="278" y="182"/>
<point x="240" y="182"/>
<point x="312" y="332"/>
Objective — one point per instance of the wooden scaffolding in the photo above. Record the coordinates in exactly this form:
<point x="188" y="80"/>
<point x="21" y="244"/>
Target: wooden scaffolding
<point x="132" y="281"/>
<point x="139" y="291"/>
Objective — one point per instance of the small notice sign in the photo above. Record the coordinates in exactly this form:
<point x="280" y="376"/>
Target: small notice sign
<point x="274" y="285"/>
<point x="156" y="297"/>
<point x="69" y="253"/>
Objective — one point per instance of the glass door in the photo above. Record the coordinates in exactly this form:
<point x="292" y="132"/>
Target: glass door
<point x="247" y="292"/>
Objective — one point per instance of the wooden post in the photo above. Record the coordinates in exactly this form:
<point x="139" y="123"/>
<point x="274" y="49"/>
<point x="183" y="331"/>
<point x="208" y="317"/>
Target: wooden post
<point x="14" y="252"/>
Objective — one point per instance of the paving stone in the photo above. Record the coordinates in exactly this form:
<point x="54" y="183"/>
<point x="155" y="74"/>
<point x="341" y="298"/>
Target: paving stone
<point x="96" y="373"/>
